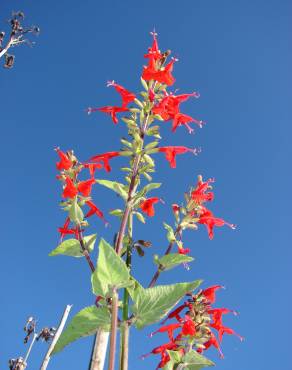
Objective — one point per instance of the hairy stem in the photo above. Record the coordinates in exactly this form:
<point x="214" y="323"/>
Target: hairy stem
<point x="56" y="337"/>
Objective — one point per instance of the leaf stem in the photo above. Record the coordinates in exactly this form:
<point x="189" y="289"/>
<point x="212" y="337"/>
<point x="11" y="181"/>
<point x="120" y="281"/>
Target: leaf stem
<point x="160" y="268"/>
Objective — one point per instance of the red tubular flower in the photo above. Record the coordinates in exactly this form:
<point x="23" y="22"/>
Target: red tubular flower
<point x="175" y="313"/>
<point x="64" y="229"/>
<point x="168" y="328"/>
<point x="212" y="342"/>
<point x="199" y="195"/>
<point x="217" y="314"/>
<point x="153" y="51"/>
<point x="168" y="107"/>
<point x="184" y="119"/>
<point x="189" y="327"/>
<point x="70" y="190"/>
<point x="164" y="75"/>
<point x="65" y="162"/>
<point x="224" y="330"/>
<point x="104" y="158"/>
<point x="147" y="206"/>
<point x="209" y="293"/>
<point x="184" y="250"/>
<point x="85" y="187"/>
<point x="94" y="210"/>
<point x="111" y="110"/>
<point x="92" y="167"/>
<point x="172" y="151"/>
<point x="207" y="218"/>
<point x="126" y="95"/>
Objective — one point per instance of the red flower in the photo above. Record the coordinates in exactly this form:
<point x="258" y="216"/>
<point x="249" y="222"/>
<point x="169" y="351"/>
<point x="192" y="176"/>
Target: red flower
<point x="147" y="206"/>
<point x="184" y="250"/>
<point x="153" y="51"/>
<point x="104" y="158"/>
<point x="162" y="75"/>
<point x="168" y="107"/>
<point x="92" y="167"/>
<point x="85" y="187"/>
<point x="94" y="210"/>
<point x="168" y="328"/>
<point x="212" y="342"/>
<point x="184" y="119"/>
<point x="217" y="314"/>
<point x="175" y="313"/>
<point x="209" y="293"/>
<point x="70" y="190"/>
<point x="172" y="151"/>
<point x="199" y="195"/>
<point x="127" y="96"/>
<point x="207" y="218"/>
<point x="65" y="162"/>
<point x="64" y="229"/>
<point x="189" y="327"/>
<point x="112" y="111"/>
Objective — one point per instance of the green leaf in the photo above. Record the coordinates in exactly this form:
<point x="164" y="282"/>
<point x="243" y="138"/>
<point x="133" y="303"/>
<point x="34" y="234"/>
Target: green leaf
<point x="172" y="260"/>
<point x="144" y="84"/>
<point x="195" y="361"/>
<point x="85" y="323"/>
<point x="111" y="271"/>
<point x="75" y="212"/>
<point x="115" y="186"/>
<point x="170" y="233"/>
<point x="152" y="304"/>
<point x="72" y="247"/>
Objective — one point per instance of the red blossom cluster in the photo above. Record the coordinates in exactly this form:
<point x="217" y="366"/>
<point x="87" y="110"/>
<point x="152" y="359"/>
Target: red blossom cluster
<point x="194" y="326"/>
<point x="195" y="212"/>
<point x="79" y="191"/>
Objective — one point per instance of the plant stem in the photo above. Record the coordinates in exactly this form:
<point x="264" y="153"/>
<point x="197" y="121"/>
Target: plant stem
<point x="24" y="363"/>
<point x="5" y="49"/>
<point x="56" y="337"/>
<point x="160" y="268"/>
<point x="84" y="250"/>
<point x="114" y="327"/>
<point x="125" y="327"/>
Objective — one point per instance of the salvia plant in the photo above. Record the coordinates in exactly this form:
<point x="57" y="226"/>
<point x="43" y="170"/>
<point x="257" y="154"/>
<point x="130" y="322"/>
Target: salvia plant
<point x="188" y="322"/>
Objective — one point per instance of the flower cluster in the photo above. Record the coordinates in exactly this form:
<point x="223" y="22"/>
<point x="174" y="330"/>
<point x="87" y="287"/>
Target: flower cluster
<point x="196" y="320"/>
<point x="77" y="193"/>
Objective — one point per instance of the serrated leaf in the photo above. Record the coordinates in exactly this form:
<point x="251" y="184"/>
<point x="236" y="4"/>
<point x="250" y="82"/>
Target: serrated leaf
<point x="152" y="304"/>
<point x="115" y="186"/>
<point x="170" y="233"/>
<point x="172" y="260"/>
<point x="111" y="271"/>
<point x="85" y="323"/>
<point x="72" y="247"/>
<point x="75" y="212"/>
<point x="194" y="361"/>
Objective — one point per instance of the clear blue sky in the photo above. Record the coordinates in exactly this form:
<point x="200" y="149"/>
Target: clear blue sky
<point x="238" y="55"/>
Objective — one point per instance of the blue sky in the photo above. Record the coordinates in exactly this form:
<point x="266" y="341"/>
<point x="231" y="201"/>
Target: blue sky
<point x="238" y="55"/>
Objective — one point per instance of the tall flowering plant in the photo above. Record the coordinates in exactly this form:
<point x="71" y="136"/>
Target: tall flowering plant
<point x="186" y="312"/>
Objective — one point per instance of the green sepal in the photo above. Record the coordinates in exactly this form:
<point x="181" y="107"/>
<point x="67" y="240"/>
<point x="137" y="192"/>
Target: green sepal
<point x="152" y="304"/>
<point x="111" y="271"/>
<point x="117" y="187"/>
<point x="170" y="233"/>
<point x="172" y="260"/>
<point x="117" y="212"/>
<point x="144" y="84"/>
<point x="139" y="216"/>
<point x="72" y="247"/>
<point x="85" y="323"/>
<point x="75" y="212"/>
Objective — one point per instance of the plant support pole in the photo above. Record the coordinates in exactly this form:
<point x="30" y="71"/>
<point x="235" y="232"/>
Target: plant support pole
<point x="56" y="337"/>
